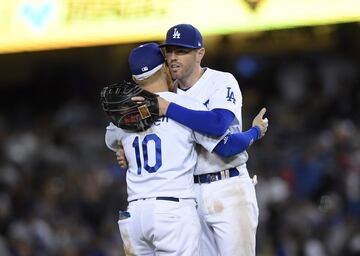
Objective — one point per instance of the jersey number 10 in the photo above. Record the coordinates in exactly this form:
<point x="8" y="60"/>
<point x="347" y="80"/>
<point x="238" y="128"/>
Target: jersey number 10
<point x="145" y="155"/>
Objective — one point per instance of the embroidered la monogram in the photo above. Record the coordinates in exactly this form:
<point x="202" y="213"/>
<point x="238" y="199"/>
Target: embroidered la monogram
<point x="176" y="33"/>
<point x="230" y="95"/>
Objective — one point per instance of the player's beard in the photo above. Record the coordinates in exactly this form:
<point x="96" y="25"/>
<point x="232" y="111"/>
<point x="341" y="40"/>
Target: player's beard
<point x="169" y="80"/>
<point x="175" y="73"/>
<point x="184" y="75"/>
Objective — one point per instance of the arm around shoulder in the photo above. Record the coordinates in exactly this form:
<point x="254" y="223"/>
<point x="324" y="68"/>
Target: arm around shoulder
<point x="209" y="122"/>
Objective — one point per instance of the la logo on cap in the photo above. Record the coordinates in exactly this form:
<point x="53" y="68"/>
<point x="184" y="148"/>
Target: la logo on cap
<point x="176" y="34"/>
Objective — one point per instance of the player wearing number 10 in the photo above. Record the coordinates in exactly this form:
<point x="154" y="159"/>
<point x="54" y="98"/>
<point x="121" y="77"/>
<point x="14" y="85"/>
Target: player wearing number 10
<point x="161" y="217"/>
<point x="161" y="162"/>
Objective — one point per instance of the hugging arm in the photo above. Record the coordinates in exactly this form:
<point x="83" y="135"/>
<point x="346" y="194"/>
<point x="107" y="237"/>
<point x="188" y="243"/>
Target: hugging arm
<point x="214" y="122"/>
<point x="234" y="143"/>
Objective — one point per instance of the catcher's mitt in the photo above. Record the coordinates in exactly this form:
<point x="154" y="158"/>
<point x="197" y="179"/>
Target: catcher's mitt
<point x="125" y="113"/>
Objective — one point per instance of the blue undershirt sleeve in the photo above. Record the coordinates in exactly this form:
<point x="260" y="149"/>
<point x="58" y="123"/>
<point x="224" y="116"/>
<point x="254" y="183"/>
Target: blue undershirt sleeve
<point x="234" y="143"/>
<point x="214" y="122"/>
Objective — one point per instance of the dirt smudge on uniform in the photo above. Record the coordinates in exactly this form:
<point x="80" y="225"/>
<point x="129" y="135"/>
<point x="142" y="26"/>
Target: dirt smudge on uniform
<point x="128" y="248"/>
<point x="206" y="207"/>
<point x="218" y="206"/>
<point x="236" y="189"/>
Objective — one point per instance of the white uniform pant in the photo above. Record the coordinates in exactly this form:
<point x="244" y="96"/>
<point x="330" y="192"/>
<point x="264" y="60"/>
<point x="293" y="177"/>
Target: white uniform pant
<point x="228" y="213"/>
<point x="161" y="227"/>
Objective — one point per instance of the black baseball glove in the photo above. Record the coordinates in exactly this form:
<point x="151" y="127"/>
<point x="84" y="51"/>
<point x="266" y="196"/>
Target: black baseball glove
<point x="125" y="113"/>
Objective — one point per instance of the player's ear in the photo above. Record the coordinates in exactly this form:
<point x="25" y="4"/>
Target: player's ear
<point x="134" y="79"/>
<point x="200" y="54"/>
<point x="138" y="82"/>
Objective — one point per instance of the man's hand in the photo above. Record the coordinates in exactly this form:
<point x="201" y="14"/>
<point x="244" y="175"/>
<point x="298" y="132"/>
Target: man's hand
<point x="163" y="104"/>
<point x="120" y="157"/>
<point x="260" y="122"/>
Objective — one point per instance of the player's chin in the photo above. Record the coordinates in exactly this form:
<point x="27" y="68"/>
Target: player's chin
<point x="175" y="74"/>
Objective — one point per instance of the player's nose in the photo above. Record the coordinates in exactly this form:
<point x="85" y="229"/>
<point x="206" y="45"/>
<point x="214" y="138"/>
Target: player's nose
<point x="170" y="55"/>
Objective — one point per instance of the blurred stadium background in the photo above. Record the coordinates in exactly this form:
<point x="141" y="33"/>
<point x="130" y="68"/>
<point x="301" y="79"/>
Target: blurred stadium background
<point x="60" y="187"/>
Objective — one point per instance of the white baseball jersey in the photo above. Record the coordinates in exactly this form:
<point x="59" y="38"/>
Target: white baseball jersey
<point x="216" y="89"/>
<point x="161" y="159"/>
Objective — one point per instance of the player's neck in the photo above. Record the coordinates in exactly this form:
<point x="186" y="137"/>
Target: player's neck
<point x="192" y="79"/>
<point x="156" y="86"/>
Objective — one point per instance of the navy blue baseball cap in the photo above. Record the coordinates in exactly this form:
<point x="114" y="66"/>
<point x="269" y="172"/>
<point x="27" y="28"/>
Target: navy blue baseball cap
<point x="145" y="60"/>
<point x="184" y="35"/>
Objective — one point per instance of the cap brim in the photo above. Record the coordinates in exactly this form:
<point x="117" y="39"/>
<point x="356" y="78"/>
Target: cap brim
<point x="181" y="45"/>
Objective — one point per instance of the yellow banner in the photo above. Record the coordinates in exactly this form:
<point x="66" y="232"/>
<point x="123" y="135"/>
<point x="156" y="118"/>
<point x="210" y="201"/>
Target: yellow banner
<point x="27" y="25"/>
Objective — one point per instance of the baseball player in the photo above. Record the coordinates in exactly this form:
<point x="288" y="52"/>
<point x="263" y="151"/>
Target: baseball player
<point x="161" y="218"/>
<point x="225" y="192"/>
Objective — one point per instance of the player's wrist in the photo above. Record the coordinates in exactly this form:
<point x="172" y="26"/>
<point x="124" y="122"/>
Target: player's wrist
<point x="163" y="106"/>
<point x="257" y="129"/>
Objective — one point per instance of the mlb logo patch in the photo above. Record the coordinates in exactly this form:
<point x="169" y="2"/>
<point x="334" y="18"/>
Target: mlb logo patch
<point x="143" y="69"/>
